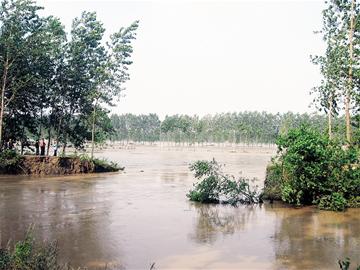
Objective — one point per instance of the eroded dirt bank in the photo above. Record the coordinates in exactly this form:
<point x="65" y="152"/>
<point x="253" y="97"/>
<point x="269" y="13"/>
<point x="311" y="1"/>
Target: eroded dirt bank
<point x="39" y="165"/>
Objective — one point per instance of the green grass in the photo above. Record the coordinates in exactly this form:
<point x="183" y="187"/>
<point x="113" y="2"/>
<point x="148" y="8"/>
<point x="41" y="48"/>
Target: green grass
<point x="25" y="256"/>
<point x="103" y="165"/>
<point x="100" y="164"/>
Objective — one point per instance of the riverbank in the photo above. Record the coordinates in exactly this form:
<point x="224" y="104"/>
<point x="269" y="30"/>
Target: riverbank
<point x="12" y="163"/>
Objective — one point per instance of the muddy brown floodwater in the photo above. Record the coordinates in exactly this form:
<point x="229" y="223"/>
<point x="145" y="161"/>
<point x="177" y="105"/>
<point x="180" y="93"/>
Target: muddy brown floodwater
<point x="130" y="220"/>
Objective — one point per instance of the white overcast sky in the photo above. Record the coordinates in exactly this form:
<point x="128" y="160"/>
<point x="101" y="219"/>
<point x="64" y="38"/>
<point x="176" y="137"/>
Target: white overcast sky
<point x="200" y="57"/>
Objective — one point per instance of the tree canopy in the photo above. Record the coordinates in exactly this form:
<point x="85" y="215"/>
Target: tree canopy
<point x="56" y="85"/>
<point x="339" y="65"/>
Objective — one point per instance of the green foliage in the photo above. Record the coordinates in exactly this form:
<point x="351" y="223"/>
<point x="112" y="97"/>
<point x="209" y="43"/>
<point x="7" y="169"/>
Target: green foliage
<point x="207" y="190"/>
<point x="100" y="164"/>
<point x="103" y="165"/>
<point x="345" y="264"/>
<point x="335" y="201"/>
<point x="316" y="170"/>
<point x="9" y="161"/>
<point x="136" y="127"/>
<point x="214" y="186"/>
<point x="22" y="252"/>
<point x="272" y="184"/>
<point x="354" y="202"/>
<point x="290" y="195"/>
<point x="337" y="63"/>
<point x="242" y="127"/>
<point x="24" y="255"/>
<point x="57" y="85"/>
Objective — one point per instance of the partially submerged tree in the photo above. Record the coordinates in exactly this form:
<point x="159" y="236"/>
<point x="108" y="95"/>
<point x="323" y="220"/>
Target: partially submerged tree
<point x="214" y="186"/>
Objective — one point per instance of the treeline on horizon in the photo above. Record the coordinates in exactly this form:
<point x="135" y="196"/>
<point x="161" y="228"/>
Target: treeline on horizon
<point x="241" y="127"/>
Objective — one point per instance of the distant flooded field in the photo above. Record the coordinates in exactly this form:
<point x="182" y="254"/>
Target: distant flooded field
<point x="132" y="219"/>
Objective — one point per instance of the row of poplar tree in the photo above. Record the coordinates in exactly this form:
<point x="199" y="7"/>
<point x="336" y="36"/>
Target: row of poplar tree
<point x="242" y="127"/>
<point x="57" y="84"/>
<point x="338" y="96"/>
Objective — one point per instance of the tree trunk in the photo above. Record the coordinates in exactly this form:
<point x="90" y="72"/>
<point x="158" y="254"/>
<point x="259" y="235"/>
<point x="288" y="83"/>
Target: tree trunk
<point x="49" y="141"/>
<point x="93" y="132"/>
<point x="350" y="79"/>
<point x="22" y="139"/>
<point x="65" y="143"/>
<point x="3" y="88"/>
<point x="64" y="147"/>
<point x="330" y="118"/>
<point x="40" y="125"/>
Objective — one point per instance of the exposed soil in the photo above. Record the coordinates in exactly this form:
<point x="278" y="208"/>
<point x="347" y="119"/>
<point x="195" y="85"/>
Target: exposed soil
<point x="40" y="165"/>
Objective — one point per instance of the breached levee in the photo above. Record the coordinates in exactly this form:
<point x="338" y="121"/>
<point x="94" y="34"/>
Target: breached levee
<point x="55" y="165"/>
<point x="48" y="165"/>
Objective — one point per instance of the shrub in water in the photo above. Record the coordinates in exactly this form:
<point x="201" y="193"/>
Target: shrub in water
<point x="317" y="170"/>
<point x="272" y="184"/>
<point x="345" y="264"/>
<point x="103" y="165"/>
<point x="335" y="202"/>
<point x="354" y="202"/>
<point x="214" y="186"/>
<point x="207" y="190"/>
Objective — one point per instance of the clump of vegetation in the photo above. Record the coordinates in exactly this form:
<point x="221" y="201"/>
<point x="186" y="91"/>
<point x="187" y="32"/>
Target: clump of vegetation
<point x="315" y="170"/>
<point x="28" y="255"/>
<point x="214" y="186"/>
<point x="345" y="264"/>
<point x="104" y="165"/>
<point x="353" y="202"/>
<point x="9" y="161"/>
<point x="335" y="201"/>
<point x="99" y="164"/>
<point x="272" y="185"/>
<point x="24" y="255"/>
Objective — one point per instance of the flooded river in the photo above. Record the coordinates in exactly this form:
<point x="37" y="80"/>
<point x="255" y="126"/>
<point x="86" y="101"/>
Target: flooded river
<point x="130" y="220"/>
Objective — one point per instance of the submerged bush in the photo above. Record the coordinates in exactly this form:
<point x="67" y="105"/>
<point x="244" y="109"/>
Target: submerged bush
<point x="214" y="186"/>
<point x="103" y="165"/>
<point x="316" y="170"/>
<point x="354" y="202"/>
<point x="9" y="161"/>
<point x="272" y="184"/>
<point x="345" y="264"/>
<point x="335" y="202"/>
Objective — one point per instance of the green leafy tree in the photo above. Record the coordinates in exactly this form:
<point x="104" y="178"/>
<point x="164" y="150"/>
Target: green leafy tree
<point x="339" y="64"/>
<point x="20" y="47"/>
<point x="111" y="72"/>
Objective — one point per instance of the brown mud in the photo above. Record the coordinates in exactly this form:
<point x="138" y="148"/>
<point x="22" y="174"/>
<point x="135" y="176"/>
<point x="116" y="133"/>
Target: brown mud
<point x="45" y="165"/>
